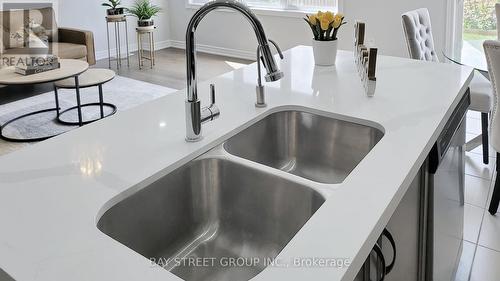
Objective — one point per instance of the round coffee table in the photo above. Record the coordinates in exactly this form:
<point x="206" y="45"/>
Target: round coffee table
<point x="91" y="78"/>
<point x="69" y="69"/>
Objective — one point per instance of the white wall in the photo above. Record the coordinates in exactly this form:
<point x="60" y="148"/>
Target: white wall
<point x="384" y="22"/>
<point x="228" y="30"/>
<point x="229" y="33"/>
<point x="89" y="15"/>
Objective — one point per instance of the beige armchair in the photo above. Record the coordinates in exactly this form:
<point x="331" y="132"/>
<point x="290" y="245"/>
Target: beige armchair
<point x="43" y="36"/>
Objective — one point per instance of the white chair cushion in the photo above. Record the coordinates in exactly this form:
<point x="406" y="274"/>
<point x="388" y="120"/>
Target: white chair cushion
<point x="480" y="94"/>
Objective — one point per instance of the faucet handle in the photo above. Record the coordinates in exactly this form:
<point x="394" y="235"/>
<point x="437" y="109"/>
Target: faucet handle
<point x="212" y="94"/>
<point x="212" y="112"/>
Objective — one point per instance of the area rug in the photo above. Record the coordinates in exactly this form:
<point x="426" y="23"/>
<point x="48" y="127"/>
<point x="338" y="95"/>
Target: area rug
<point x="124" y="93"/>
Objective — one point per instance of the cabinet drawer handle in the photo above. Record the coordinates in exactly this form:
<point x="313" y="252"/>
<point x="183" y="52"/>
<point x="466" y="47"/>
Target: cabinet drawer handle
<point x="390" y="238"/>
<point x="381" y="259"/>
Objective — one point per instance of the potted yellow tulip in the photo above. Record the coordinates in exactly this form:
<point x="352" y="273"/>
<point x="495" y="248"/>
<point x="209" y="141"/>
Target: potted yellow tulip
<point x="325" y="26"/>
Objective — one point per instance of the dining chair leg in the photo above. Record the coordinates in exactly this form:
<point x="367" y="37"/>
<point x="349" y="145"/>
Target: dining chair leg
<point x="495" y="199"/>
<point x="484" y="127"/>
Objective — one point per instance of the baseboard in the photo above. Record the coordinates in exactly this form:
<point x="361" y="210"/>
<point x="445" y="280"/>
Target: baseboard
<point x="216" y="50"/>
<point x="132" y="48"/>
<point x="182" y="45"/>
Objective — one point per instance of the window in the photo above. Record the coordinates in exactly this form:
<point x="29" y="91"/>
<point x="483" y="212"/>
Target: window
<point x="297" y="5"/>
<point x="479" y="22"/>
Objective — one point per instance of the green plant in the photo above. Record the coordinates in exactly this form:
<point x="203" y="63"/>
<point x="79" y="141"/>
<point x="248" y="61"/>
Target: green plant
<point x="144" y="9"/>
<point x="113" y="4"/>
<point x="479" y="15"/>
<point x="325" y="25"/>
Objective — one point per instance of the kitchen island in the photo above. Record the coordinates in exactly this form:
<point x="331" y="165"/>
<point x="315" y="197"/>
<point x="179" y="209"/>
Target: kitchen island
<point x="53" y="194"/>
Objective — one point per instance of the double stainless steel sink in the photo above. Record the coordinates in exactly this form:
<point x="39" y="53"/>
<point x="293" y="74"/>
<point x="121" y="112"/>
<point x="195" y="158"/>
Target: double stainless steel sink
<point x="222" y="207"/>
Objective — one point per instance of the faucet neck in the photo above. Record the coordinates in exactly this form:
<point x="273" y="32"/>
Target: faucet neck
<point x="269" y="63"/>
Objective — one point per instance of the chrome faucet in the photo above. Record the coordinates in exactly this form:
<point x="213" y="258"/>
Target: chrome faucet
<point x="195" y="115"/>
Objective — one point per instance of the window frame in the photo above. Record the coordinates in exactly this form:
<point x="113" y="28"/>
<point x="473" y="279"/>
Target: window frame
<point x="271" y="10"/>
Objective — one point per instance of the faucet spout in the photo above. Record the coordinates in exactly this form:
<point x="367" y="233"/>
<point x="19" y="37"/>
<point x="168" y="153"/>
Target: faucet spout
<point x="273" y="73"/>
<point x="195" y="115"/>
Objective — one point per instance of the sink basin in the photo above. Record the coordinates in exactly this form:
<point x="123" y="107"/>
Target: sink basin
<point x="311" y="146"/>
<point x="216" y="210"/>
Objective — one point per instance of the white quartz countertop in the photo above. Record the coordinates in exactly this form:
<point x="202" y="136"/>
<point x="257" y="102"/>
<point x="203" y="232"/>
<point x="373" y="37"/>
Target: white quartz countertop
<point x="53" y="193"/>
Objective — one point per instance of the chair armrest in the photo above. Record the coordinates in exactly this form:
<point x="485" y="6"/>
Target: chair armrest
<point x="77" y="36"/>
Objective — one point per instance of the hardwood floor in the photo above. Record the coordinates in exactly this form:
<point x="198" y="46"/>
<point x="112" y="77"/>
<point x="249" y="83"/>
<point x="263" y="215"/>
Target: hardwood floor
<point x="169" y="71"/>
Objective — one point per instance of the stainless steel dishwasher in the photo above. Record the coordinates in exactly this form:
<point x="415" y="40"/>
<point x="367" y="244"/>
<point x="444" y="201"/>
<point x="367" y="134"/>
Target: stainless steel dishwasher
<point x="445" y="220"/>
<point x="426" y="230"/>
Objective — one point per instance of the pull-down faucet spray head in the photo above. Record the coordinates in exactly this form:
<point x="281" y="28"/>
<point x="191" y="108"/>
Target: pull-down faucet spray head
<point x="260" y="90"/>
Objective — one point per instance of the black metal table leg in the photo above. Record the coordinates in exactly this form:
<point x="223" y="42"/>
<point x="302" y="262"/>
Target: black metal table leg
<point x="85" y="122"/>
<point x="57" y="109"/>
<point x="56" y="95"/>
<point x="19" y="140"/>
<point x="101" y="101"/>
<point x="78" y="101"/>
<point x="101" y="105"/>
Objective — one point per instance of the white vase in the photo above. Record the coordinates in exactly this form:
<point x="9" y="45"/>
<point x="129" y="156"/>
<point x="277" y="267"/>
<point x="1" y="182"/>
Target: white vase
<point x="325" y="52"/>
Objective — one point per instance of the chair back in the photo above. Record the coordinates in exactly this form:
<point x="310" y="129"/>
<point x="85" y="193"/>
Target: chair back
<point x="492" y="51"/>
<point x="418" y="33"/>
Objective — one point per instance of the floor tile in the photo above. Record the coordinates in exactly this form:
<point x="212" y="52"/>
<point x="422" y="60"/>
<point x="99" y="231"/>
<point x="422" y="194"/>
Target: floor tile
<point x="476" y="191"/>
<point x="474" y="166"/>
<point x="469" y="136"/>
<point x="472" y="222"/>
<point x="486" y="265"/>
<point x="474" y="114"/>
<point x="492" y="187"/>
<point x="479" y="149"/>
<point x="466" y="260"/>
<point x="490" y="232"/>
<point x="473" y="126"/>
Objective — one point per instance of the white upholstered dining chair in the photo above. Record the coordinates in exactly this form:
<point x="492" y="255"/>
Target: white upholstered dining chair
<point x="420" y="42"/>
<point x="492" y="51"/>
